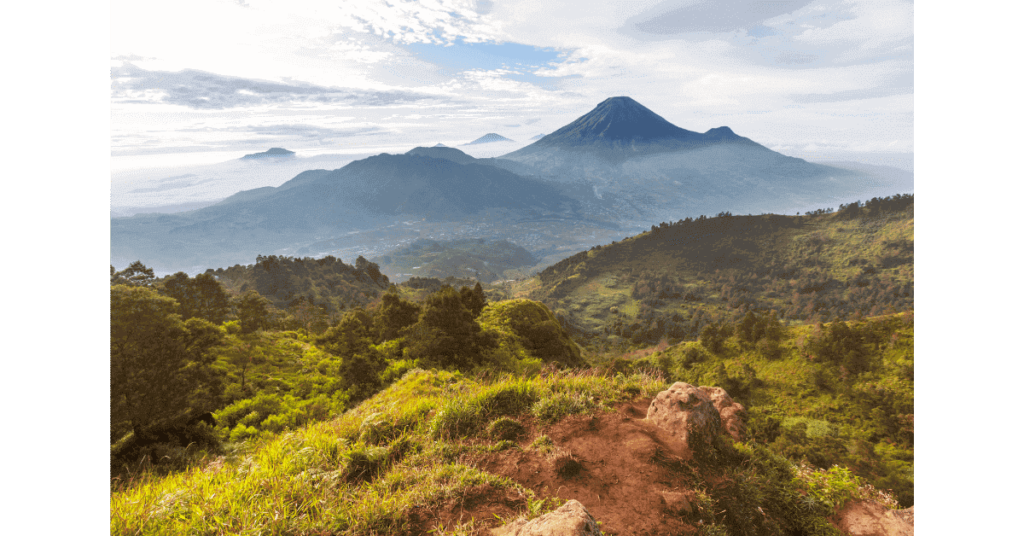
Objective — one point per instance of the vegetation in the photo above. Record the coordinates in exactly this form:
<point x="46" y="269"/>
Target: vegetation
<point x="671" y="282"/>
<point x="478" y="258"/>
<point x="300" y="396"/>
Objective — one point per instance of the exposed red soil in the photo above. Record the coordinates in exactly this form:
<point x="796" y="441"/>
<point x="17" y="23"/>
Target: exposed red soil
<point x="863" y="518"/>
<point x="626" y="464"/>
<point x="479" y="504"/>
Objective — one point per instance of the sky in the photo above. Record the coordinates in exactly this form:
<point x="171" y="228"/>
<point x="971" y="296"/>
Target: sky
<point x="206" y="81"/>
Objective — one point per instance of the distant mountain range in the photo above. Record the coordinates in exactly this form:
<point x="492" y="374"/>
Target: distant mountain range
<point x="651" y="166"/>
<point x="274" y="152"/>
<point x="619" y="165"/>
<point x="488" y="138"/>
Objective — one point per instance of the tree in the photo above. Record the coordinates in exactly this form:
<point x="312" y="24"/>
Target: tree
<point x="352" y="335"/>
<point x="474" y="299"/>
<point x="160" y="367"/>
<point x="393" y="315"/>
<point x="746" y="330"/>
<point x="244" y="356"/>
<point x="135" y="274"/>
<point x="199" y="297"/>
<point x="360" y="373"/>
<point x="253" y="311"/>
<point x="713" y="336"/>
<point x="447" y="335"/>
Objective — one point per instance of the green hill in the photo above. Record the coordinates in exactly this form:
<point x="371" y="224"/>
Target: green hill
<point x="485" y="260"/>
<point x="671" y="281"/>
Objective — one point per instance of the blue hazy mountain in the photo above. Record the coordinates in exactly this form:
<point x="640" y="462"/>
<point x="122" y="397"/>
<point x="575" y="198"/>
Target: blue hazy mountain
<point x="655" y="169"/>
<point x="537" y="137"/>
<point x="365" y="194"/>
<point x="620" y="127"/>
<point x="274" y="152"/>
<point x="488" y="138"/>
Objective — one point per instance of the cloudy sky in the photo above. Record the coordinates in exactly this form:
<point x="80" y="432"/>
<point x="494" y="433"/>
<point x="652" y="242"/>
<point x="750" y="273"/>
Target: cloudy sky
<point x="201" y="81"/>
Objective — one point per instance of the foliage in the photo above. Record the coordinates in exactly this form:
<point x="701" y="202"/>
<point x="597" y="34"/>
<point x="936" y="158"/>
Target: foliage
<point x="253" y="312"/>
<point x="135" y="274"/>
<point x="529" y="329"/>
<point x="160" y="367"/>
<point x="199" y="297"/>
<point x="326" y="283"/>
<point x="447" y="335"/>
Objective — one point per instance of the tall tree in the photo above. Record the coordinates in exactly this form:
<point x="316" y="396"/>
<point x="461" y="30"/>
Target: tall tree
<point x="253" y="312"/>
<point x="160" y="367"/>
<point x="135" y="274"/>
<point x="199" y="297"/>
<point x="352" y="335"/>
<point x="393" y="315"/>
<point x="474" y="299"/>
<point x="447" y="335"/>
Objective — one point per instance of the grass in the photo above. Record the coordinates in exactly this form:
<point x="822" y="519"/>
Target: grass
<point x="365" y="471"/>
<point x="409" y="449"/>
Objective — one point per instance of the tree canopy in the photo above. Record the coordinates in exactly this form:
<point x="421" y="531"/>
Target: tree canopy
<point x="160" y="367"/>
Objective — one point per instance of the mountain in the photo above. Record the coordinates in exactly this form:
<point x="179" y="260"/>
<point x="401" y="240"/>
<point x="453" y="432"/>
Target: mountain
<point x="488" y="138"/>
<point x="440" y="145"/>
<point x="621" y="127"/>
<point x="656" y="170"/>
<point x="366" y="194"/>
<point x="537" y="137"/>
<point x="275" y="152"/>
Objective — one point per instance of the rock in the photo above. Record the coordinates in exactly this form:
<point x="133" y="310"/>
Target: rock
<point x="678" y="502"/>
<point x="733" y="413"/>
<point x="687" y="412"/>
<point x="572" y="519"/>
<point x="863" y="518"/>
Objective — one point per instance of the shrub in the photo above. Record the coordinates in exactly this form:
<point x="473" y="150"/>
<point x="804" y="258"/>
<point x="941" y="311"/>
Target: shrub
<point x="560" y="405"/>
<point x="505" y="428"/>
<point x="543" y="444"/>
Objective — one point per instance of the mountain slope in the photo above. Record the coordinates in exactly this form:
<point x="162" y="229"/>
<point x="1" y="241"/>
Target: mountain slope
<point x="367" y="193"/>
<point x="488" y="138"/>
<point x="654" y="170"/>
<point x="620" y="127"/>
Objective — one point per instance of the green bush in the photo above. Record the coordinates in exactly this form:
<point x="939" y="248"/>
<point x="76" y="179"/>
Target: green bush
<point x="543" y="444"/>
<point x="505" y="428"/>
<point x="560" y="405"/>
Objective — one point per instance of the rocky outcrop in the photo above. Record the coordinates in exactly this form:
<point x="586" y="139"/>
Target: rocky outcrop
<point x="678" y="502"/>
<point x="572" y="519"/>
<point x="688" y="413"/>
<point x="732" y="413"/>
<point x="864" y="518"/>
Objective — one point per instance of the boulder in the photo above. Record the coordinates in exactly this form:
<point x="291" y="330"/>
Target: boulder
<point x="732" y="413"/>
<point x="687" y="412"/>
<point x="572" y="519"/>
<point x="678" y="502"/>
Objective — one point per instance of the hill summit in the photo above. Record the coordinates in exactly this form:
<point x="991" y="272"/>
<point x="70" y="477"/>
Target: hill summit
<point x="625" y="124"/>
<point x="270" y="153"/>
<point x="489" y="138"/>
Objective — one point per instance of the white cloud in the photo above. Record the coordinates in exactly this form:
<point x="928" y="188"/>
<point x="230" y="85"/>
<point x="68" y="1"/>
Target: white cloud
<point x="843" y="78"/>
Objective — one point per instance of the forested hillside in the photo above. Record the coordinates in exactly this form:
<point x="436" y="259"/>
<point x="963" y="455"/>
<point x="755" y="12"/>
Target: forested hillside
<point x="676" y="278"/>
<point x="306" y="396"/>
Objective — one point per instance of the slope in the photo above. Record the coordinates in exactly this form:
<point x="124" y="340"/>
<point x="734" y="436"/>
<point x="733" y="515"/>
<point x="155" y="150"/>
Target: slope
<point x="365" y="194"/>
<point x="673" y="280"/>
<point x="657" y="170"/>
